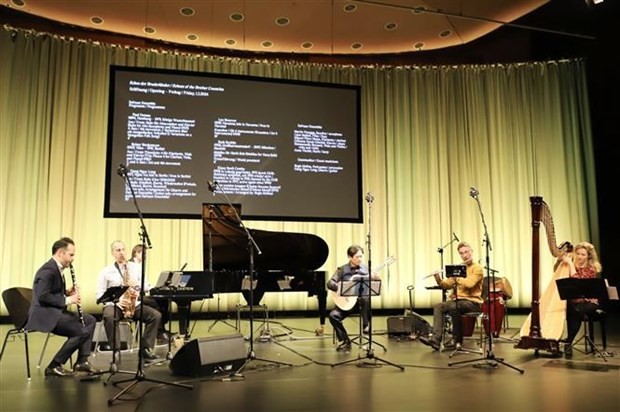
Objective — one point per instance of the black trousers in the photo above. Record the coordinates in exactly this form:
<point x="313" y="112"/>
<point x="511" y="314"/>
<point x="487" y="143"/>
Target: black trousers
<point x="337" y="316"/>
<point x="150" y="317"/>
<point x="455" y="308"/>
<point x="80" y="337"/>
<point x="575" y="313"/>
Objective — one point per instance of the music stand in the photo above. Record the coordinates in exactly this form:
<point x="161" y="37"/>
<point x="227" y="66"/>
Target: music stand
<point x="112" y="294"/>
<point x="579" y="288"/>
<point x="362" y="286"/>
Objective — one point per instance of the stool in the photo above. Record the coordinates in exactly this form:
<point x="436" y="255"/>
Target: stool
<point x="266" y="333"/>
<point x="588" y="334"/>
<point x="126" y="331"/>
<point x="470" y="321"/>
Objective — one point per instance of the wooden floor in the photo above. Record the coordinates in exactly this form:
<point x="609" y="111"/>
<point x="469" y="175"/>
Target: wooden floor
<point x="294" y="370"/>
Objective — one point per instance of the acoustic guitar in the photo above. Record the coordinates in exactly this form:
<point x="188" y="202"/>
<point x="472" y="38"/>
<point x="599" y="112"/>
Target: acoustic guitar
<point x="348" y="302"/>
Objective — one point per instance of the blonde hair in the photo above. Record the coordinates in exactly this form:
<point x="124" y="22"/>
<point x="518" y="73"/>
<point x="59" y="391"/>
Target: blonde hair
<point x="592" y="255"/>
<point x="463" y="244"/>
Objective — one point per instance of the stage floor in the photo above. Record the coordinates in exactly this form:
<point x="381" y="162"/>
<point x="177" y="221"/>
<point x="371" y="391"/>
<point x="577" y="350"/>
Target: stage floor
<point x="291" y="369"/>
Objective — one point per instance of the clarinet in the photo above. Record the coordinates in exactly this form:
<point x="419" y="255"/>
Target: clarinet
<point x="79" y="307"/>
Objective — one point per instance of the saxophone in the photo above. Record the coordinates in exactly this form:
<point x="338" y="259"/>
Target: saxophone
<point x="127" y="302"/>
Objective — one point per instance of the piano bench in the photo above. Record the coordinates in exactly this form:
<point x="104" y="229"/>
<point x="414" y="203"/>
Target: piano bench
<point x="255" y="308"/>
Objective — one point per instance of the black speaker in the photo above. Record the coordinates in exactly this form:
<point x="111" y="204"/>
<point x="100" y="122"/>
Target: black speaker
<point x="410" y="324"/>
<point x="208" y="356"/>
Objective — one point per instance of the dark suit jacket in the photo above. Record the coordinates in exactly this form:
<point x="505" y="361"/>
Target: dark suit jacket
<point x="48" y="298"/>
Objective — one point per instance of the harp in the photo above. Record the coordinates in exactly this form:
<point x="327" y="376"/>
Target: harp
<point x="544" y="326"/>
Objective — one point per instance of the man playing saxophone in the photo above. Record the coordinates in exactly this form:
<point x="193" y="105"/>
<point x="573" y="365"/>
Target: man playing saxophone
<point x="125" y="273"/>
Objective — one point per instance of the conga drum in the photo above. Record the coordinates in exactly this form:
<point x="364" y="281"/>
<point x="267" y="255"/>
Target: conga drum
<point x="494" y="308"/>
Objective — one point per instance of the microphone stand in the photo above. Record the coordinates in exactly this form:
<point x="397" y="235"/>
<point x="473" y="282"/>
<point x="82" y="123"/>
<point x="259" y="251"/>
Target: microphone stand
<point x="123" y="172"/>
<point x="219" y="317"/>
<point x="491" y="361"/>
<point x="369" y="351"/>
<point x="252" y="246"/>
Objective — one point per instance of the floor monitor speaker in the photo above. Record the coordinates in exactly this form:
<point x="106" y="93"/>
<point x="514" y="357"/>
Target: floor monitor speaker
<point x="208" y="356"/>
<point x="410" y="324"/>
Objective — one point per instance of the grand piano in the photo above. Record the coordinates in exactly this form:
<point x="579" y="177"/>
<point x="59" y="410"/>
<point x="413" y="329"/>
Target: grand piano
<point x="287" y="263"/>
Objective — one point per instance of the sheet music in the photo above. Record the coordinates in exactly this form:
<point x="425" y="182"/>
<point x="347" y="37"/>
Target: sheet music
<point x="352" y="287"/>
<point x="612" y="291"/>
<point x="245" y="283"/>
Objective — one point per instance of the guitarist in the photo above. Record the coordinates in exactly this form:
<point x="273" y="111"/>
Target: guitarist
<point x="338" y="314"/>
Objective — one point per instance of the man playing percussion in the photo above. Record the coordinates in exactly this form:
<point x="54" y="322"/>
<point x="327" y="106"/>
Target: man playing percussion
<point x="466" y="297"/>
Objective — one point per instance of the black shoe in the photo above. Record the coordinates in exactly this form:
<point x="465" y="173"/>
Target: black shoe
<point x="149" y="356"/>
<point x="58" y="371"/>
<point x="345" y="346"/>
<point x="568" y="350"/>
<point x="162" y="335"/>
<point x="85" y="367"/>
<point x="433" y="343"/>
<point x="451" y="345"/>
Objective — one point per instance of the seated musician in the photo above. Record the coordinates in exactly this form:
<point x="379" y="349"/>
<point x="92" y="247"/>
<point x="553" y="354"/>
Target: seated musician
<point x="161" y="305"/>
<point x="583" y="264"/>
<point x="348" y="304"/>
<point x="124" y="273"/>
<point x="466" y="297"/>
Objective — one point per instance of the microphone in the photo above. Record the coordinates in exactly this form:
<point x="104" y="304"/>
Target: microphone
<point x="122" y="170"/>
<point x="369" y="197"/>
<point x="455" y="237"/>
<point x="212" y="185"/>
<point x="473" y="192"/>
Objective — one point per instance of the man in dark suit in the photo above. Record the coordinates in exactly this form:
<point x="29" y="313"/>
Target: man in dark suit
<point x="48" y="312"/>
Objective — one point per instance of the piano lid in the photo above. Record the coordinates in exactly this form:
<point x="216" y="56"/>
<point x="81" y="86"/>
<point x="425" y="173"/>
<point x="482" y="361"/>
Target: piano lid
<point x="226" y="245"/>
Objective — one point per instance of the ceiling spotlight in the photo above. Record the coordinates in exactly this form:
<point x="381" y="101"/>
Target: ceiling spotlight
<point x="187" y="11"/>
<point x="390" y="26"/>
<point x="349" y="7"/>
<point x="282" y="21"/>
<point x="236" y="17"/>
